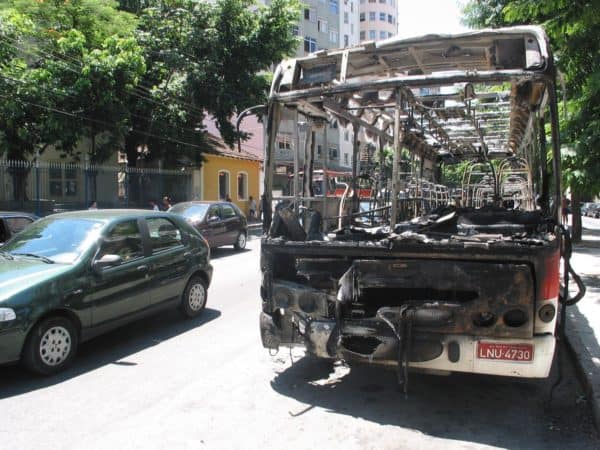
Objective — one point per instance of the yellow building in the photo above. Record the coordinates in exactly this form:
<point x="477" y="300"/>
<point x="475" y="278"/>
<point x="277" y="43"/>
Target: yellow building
<point x="229" y="173"/>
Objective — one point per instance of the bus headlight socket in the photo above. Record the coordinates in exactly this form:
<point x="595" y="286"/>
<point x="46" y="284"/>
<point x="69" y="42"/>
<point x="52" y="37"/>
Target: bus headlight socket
<point x="282" y="297"/>
<point x="307" y="302"/>
<point x="547" y="312"/>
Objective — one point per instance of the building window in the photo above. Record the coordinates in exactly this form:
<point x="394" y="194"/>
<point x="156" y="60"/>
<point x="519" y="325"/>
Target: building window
<point x="242" y="186"/>
<point x="372" y="34"/>
<point x="382" y="17"/>
<point x="351" y="28"/>
<point x="322" y="25"/>
<point x="351" y="6"/>
<point x="333" y="36"/>
<point x="362" y="2"/>
<point x="346" y="17"/>
<point x="371" y="15"/>
<point x="346" y="41"/>
<point x="362" y="35"/>
<point x="310" y="45"/>
<point x="346" y="159"/>
<point x="63" y="184"/>
<point x="333" y="6"/>
<point x="362" y="17"/>
<point x="346" y="135"/>
<point x="390" y="18"/>
<point x="223" y="184"/>
<point x="390" y="34"/>
<point x="382" y="34"/>
<point x="333" y="152"/>
<point x="382" y="1"/>
<point x="295" y="30"/>
<point x="372" y="1"/>
<point x="310" y="14"/>
<point x="55" y="176"/>
<point x="333" y="125"/>
<point x="284" y="142"/>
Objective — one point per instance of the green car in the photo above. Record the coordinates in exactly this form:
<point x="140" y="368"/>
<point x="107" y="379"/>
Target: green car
<point x="72" y="276"/>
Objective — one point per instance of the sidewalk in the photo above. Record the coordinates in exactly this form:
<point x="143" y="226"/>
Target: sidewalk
<point x="583" y="319"/>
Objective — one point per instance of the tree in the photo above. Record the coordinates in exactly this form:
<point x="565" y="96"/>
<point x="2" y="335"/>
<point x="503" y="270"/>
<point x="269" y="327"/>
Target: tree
<point x="142" y="76"/>
<point x="574" y="31"/>
<point x="203" y="58"/>
<point x="164" y="123"/>
<point x="95" y="19"/>
<point x="234" y="49"/>
<point x="63" y="84"/>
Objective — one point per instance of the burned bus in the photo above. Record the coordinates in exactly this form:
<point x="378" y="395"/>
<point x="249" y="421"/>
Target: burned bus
<point x="430" y="277"/>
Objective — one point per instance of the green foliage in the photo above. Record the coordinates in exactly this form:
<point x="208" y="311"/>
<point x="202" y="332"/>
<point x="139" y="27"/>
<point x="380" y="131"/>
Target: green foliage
<point x="234" y="43"/>
<point x="484" y="13"/>
<point x="452" y="174"/>
<point x="135" y="73"/>
<point x="205" y="58"/>
<point x="63" y="87"/>
<point x="95" y="19"/>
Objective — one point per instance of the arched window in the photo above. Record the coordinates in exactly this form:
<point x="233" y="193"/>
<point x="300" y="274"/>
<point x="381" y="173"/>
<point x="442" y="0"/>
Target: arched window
<point x="242" y="186"/>
<point x="223" y="184"/>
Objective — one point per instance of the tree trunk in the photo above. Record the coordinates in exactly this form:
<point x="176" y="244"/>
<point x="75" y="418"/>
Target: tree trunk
<point x="576" y="228"/>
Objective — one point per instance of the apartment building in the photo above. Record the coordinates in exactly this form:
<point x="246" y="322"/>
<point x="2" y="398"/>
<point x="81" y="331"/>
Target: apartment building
<point x="378" y="19"/>
<point x="324" y="24"/>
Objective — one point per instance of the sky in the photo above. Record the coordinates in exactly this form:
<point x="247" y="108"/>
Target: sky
<point x="420" y="17"/>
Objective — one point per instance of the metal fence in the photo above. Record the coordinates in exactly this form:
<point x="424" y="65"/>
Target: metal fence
<point x="47" y="187"/>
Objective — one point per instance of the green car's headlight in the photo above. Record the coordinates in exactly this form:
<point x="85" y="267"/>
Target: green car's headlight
<point x="7" y="314"/>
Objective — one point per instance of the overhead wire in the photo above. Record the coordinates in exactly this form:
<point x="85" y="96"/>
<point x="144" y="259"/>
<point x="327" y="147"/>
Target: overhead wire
<point x="71" y="95"/>
<point x="140" y="91"/>
<point x="75" y="67"/>
<point x="90" y="119"/>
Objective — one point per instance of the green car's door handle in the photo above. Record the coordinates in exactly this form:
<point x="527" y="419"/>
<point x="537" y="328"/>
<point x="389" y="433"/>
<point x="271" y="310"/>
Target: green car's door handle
<point x="75" y="292"/>
<point x="142" y="268"/>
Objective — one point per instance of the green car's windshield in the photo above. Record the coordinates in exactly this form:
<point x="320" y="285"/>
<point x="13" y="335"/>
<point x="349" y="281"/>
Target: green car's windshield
<point x="60" y="239"/>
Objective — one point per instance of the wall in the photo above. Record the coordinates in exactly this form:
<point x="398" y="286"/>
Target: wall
<point x="210" y="175"/>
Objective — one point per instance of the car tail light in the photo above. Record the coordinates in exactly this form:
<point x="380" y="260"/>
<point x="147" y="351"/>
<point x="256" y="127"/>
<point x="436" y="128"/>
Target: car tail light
<point x="550" y="279"/>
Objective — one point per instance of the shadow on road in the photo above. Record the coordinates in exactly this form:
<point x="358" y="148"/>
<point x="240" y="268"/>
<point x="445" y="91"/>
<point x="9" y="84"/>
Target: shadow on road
<point x="223" y="252"/>
<point x="490" y="410"/>
<point x="110" y="348"/>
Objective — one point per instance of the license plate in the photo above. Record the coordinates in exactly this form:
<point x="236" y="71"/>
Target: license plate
<point x="505" y="352"/>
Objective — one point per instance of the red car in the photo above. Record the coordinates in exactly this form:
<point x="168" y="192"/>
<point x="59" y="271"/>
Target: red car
<point x="221" y="223"/>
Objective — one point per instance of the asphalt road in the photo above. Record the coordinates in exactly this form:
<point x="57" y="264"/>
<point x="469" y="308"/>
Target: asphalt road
<point x="208" y="383"/>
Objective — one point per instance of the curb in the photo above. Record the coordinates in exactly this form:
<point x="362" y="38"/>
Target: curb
<point x="587" y="371"/>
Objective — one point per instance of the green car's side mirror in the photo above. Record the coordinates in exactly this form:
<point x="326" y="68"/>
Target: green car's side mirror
<point x="106" y="261"/>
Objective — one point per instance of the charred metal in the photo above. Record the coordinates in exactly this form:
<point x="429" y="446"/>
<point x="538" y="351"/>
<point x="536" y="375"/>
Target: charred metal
<point x="399" y="268"/>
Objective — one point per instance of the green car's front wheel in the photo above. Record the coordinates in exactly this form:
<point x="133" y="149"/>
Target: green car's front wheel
<point x="194" y="297"/>
<point x="50" y="346"/>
